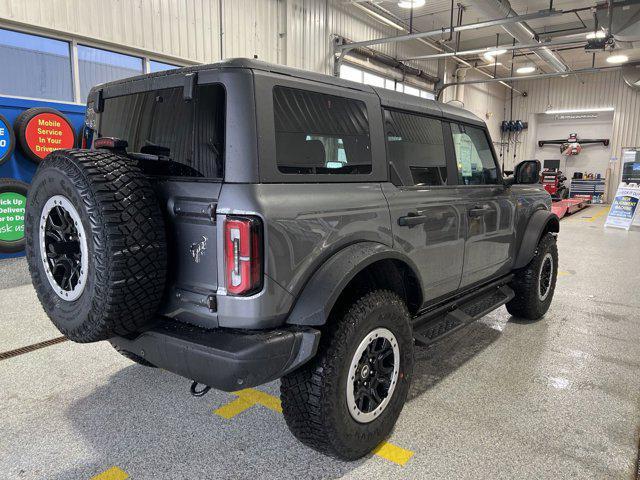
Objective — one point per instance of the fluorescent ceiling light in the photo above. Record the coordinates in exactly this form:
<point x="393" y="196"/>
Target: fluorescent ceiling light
<point x="617" y="59"/>
<point x="526" y="69"/>
<point x="411" y="3"/>
<point x="490" y="65"/>
<point x="580" y="110"/>
<point x="491" y="54"/>
<point x="596" y="34"/>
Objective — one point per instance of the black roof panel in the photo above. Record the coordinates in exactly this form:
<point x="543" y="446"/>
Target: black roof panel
<point x="388" y="98"/>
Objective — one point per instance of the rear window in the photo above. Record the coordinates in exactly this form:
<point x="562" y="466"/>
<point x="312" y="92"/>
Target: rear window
<point x="320" y="134"/>
<point x="188" y="135"/>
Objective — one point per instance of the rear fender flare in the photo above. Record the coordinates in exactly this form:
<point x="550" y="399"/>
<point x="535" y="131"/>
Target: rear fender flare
<point x="540" y="221"/>
<point x="325" y="286"/>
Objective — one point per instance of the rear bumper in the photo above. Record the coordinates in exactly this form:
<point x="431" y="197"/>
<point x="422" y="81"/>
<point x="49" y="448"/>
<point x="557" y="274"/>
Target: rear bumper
<point x="223" y="359"/>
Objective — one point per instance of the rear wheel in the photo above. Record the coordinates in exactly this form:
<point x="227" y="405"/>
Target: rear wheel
<point x="535" y="284"/>
<point x="346" y="401"/>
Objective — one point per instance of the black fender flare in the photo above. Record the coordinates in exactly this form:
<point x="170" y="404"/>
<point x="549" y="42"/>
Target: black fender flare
<point x="540" y="221"/>
<point x="321" y="292"/>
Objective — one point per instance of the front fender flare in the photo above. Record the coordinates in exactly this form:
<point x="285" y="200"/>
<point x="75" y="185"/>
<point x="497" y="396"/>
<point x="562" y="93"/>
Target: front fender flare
<point x="540" y="221"/>
<point x="325" y="286"/>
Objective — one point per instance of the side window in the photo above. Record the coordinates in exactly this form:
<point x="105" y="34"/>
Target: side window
<point x="320" y="134"/>
<point x="476" y="165"/>
<point x="415" y="146"/>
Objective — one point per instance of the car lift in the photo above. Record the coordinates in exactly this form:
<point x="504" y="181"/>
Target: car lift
<point x="572" y="146"/>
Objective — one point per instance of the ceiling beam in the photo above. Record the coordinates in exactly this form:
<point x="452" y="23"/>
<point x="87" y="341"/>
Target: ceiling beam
<point x="478" y="51"/>
<point x="525" y="77"/>
<point x="446" y="30"/>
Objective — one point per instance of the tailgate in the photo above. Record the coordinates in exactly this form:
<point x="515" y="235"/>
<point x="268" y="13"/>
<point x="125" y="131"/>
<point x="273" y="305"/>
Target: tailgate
<point x="192" y="278"/>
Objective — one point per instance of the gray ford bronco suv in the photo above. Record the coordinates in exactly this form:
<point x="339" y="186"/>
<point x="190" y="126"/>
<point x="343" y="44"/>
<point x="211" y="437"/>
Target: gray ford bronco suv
<point x="241" y="222"/>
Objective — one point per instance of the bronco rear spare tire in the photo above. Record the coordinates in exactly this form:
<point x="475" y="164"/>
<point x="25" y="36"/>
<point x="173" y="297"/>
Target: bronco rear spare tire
<point x="95" y="243"/>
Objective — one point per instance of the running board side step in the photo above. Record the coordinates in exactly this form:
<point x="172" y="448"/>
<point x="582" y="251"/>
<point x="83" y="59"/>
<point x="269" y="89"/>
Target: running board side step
<point x="435" y="325"/>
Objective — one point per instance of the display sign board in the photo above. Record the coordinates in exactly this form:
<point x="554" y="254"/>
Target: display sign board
<point x="624" y="207"/>
<point x="7" y="140"/>
<point x="12" y="206"/>
<point x="13" y="200"/>
<point x="47" y="132"/>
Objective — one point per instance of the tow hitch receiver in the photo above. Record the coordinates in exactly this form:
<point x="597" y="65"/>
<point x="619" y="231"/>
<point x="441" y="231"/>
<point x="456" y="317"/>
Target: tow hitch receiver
<point x="199" y="393"/>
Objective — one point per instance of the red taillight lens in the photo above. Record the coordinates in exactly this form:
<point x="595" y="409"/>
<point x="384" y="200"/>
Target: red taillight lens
<point x="243" y="255"/>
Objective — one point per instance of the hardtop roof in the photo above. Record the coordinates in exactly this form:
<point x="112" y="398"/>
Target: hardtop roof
<point x="388" y="98"/>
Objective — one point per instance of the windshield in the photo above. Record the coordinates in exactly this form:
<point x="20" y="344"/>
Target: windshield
<point x="186" y="136"/>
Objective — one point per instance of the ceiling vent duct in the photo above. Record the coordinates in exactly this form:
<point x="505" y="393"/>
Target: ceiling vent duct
<point x="631" y="75"/>
<point x="520" y="31"/>
<point x="625" y="24"/>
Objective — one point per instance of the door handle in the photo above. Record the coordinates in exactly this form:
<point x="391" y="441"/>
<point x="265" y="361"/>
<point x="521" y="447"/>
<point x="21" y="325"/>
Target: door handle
<point x="412" y="220"/>
<point x="478" y="211"/>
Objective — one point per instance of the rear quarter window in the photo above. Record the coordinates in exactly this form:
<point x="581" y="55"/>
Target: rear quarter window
<point x="318" y="133"/>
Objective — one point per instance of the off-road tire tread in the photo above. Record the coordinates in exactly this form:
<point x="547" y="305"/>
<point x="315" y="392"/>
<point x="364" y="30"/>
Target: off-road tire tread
<point x="129" y="238"/>
<point x="526" y="304"/>
<point x="301" y="392"/>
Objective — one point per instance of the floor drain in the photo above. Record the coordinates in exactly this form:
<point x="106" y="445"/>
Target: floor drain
<point x="31" y="348"/>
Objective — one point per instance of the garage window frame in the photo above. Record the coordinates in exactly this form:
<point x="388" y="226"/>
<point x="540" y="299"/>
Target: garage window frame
<point x="72" y="42"/>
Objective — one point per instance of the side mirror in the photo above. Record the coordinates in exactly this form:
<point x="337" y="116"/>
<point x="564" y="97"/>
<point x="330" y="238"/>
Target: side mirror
<point x="527" y="172"/>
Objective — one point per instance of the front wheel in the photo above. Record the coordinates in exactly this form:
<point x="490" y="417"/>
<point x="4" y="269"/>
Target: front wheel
<point x="346" y="401"/>
<point x="535" y="284"/>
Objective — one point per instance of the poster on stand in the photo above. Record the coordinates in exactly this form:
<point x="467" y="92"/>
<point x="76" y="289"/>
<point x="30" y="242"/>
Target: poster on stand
<point x="624" y="207"/>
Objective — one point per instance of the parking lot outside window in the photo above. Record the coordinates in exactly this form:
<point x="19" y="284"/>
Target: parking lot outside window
<point x="354" y="74"/>
<point x="34" y="66"/>
<point x="156" y="66"/>
<point x="100" y="66"/>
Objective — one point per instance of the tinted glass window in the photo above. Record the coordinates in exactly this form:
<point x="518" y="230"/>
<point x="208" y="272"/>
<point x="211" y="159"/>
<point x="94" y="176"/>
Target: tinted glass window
<point x="415" y="146"/>
<point x="318" y="133"/>
<point x="189" y="136"/>
<point x="476" y="165"/>
<point x="100" y="66"/>
<point x="34" y="66"/>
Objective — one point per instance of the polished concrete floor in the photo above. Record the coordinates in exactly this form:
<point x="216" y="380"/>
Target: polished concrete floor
<point x="558" y="398"/>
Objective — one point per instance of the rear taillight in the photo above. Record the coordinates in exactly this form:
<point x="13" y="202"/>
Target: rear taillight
<point x="243" y="255"/>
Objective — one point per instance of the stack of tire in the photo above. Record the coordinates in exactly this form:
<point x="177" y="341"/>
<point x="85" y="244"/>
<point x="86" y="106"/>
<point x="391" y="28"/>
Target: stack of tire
<point x="13" y="192"/>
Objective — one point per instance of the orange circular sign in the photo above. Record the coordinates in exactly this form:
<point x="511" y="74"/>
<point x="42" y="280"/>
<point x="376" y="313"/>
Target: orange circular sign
<point x="47" y="132"/>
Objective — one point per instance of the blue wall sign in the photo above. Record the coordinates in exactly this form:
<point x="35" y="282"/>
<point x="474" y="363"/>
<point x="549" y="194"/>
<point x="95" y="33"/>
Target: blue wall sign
<point x="7" y="139"/>
<point x="16" y="166"/>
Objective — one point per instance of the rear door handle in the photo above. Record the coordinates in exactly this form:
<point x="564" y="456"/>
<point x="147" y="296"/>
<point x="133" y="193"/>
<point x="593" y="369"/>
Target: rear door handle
<point x="412" y="220"/>
<point x="478" y="211"/>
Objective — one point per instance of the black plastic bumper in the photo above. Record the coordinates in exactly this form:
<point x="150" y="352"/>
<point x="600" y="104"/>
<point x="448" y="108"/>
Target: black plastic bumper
<point x="224" y="359"/>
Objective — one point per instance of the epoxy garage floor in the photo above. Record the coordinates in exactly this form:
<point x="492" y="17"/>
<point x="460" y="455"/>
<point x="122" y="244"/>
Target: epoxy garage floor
<point x="558" y="398"/>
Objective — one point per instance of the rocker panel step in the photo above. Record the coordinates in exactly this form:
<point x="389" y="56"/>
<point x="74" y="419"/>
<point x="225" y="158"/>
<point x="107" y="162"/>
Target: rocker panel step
<point x="428" y="329"/>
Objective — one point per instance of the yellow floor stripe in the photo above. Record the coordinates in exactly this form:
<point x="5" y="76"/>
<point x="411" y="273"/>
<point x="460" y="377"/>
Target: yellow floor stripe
<point x="249" y="397"/>
<point x="562" y="273"/>
<point x="114" y="473"/>
<point x="264" y="399"/>
<point x="603" y="211"/>
<point x="393" y="453"/>
<point x="232" y="409"/>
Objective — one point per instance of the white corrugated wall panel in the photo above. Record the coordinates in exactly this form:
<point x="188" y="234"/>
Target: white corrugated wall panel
<point x="187" y="29"/>
<point x="604" y="89"/>
<point x="487" y="101"/>
<point x="190" y="29"/>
